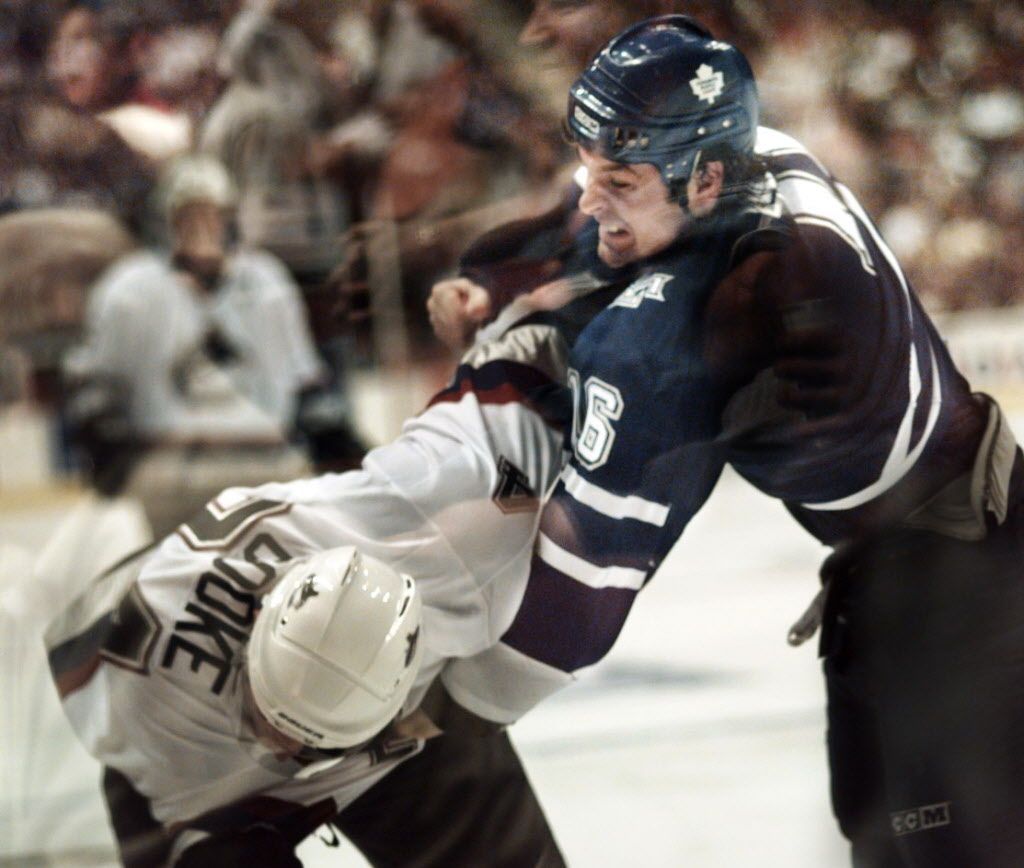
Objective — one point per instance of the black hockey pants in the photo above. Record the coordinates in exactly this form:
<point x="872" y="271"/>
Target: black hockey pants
<point x="923" y="639"/>
<point x="462" y="802"/>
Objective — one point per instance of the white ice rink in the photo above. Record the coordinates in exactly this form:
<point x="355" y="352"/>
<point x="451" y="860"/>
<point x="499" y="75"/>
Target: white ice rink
<point x="698" y="742"/>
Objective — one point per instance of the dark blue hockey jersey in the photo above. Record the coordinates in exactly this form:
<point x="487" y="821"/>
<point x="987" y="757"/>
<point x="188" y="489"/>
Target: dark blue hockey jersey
<point x="787" y="344"/>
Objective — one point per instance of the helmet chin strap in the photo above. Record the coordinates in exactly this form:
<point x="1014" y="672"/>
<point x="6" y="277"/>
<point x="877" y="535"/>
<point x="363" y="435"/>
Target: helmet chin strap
<point x="680" y="193"/>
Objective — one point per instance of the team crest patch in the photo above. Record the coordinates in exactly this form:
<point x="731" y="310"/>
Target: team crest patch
<point x="708" y="85"/>
<point x="652" y="286"/>
<point x="513" y="492"/>
<point x="304" y="592"/>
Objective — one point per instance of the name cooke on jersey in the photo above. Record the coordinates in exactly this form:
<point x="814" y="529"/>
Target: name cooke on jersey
<point x="224" y="605"/>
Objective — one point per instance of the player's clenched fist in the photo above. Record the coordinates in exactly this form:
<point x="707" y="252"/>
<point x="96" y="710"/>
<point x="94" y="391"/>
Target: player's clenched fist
<point x="457" y="307"/>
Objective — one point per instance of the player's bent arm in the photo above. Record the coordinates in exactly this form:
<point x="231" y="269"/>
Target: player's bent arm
<point x="581" y="586"/>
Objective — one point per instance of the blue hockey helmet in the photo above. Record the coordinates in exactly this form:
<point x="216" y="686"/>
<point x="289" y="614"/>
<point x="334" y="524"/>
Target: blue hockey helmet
<point x="664" y="91"/>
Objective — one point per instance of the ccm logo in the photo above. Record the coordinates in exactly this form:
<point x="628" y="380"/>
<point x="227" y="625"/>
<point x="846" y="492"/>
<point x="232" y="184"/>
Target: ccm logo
<point x="591" y="125"/>
<point x="920" y="819"/>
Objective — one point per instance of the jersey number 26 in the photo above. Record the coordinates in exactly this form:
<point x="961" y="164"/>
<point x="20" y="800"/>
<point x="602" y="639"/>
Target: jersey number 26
<point x="596" y="406"/>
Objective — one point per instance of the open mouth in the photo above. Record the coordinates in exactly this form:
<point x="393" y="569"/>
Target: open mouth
<point x="616" y="236"/>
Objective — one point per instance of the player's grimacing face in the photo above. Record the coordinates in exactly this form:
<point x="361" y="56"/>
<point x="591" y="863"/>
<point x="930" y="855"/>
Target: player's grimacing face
<point x="630" y="202"/>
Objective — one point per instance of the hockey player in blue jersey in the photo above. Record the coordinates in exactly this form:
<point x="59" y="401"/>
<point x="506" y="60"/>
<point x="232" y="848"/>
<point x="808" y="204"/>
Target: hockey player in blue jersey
<point x="767" y="325"/>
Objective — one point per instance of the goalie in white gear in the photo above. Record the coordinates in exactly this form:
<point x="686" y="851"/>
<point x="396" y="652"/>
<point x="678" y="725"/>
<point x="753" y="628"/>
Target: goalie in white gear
<point x="228" y="733"/>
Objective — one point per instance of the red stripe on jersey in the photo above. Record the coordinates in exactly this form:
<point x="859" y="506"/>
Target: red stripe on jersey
<point x="503" y="394"/>
<point x="504" y="382"/>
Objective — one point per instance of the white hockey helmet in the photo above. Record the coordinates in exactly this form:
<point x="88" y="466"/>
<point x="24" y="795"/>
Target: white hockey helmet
<point x="335" y="649"/>
<point x="192" y="178"/>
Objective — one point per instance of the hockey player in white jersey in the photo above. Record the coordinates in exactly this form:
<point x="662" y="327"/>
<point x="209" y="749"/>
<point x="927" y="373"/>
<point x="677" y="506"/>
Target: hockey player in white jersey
<point x="258" y="670"/>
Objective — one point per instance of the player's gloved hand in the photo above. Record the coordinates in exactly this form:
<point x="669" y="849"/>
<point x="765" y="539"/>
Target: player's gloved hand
<point x="261" y="845"/>
<point x="457" y="307"/>
<point x="324" y="423"/>
<point x="97" y="414"/>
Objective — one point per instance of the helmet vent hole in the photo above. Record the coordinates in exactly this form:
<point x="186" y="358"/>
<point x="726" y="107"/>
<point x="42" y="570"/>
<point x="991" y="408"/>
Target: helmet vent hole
<point x="628" y="137"/>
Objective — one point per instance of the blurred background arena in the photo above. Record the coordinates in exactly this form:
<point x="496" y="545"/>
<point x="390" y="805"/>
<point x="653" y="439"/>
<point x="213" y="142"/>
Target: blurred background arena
<point x="350" y="150"/>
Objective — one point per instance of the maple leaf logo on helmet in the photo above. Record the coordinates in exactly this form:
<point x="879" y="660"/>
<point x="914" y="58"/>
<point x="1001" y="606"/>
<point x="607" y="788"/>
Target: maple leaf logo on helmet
<point x="666" y="92"/>
<point x="708" y="85"/>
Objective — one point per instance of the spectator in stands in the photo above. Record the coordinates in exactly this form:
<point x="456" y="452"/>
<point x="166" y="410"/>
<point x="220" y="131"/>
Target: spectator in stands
<point x="88" y="62"/>
<point x="54" y="151"/>
<point x="934" y="91"/>
<point x="140" y="67"/>
<point x="262" y="128"/>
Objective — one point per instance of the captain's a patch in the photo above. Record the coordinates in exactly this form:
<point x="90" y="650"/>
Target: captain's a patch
<point x="651" y="287"/>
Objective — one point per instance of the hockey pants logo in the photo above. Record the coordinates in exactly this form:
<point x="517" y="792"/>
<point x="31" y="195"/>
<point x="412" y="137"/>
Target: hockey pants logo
<point x="920" y="819"/>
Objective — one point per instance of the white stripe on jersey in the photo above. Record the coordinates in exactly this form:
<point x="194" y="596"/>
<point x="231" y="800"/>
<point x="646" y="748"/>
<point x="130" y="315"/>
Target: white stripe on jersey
<point x="613" y="505"/>
<point x="585" y="572"/>
<point x="901" y="458"/>
<point x="810" y="200"/>
<point x="772" y="143"/>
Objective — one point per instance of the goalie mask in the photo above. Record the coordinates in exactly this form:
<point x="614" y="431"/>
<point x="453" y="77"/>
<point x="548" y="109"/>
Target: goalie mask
<point x="663" y="92"/>
<point x="335" y="649"/>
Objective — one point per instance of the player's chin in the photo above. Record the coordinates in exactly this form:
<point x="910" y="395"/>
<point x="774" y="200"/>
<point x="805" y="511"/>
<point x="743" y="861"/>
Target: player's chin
<point x="616" y="256"/>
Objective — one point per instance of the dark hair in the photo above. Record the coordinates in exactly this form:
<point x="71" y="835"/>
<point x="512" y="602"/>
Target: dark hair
<point x="744" y="176"/>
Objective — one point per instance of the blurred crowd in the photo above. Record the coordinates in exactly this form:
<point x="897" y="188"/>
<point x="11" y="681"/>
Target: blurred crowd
<point x="919" y="107"/>
<point x="169" y="169"/>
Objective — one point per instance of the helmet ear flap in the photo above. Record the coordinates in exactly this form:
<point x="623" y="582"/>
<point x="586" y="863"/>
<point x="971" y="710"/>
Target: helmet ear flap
<point x="678" y="187"/>
<point x="677" y="192"/>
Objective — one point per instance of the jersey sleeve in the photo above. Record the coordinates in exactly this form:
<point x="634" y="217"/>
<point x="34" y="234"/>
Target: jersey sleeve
<point x="596" y="549"/>
<point x="644" y="459"/>
<point x="603" y="533"/>
<point x="858" y="411"/>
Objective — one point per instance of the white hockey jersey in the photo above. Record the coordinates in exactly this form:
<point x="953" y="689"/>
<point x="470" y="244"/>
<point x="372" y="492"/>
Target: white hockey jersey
<point x="146" y="327"/>
<point x="146" y="660"/>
